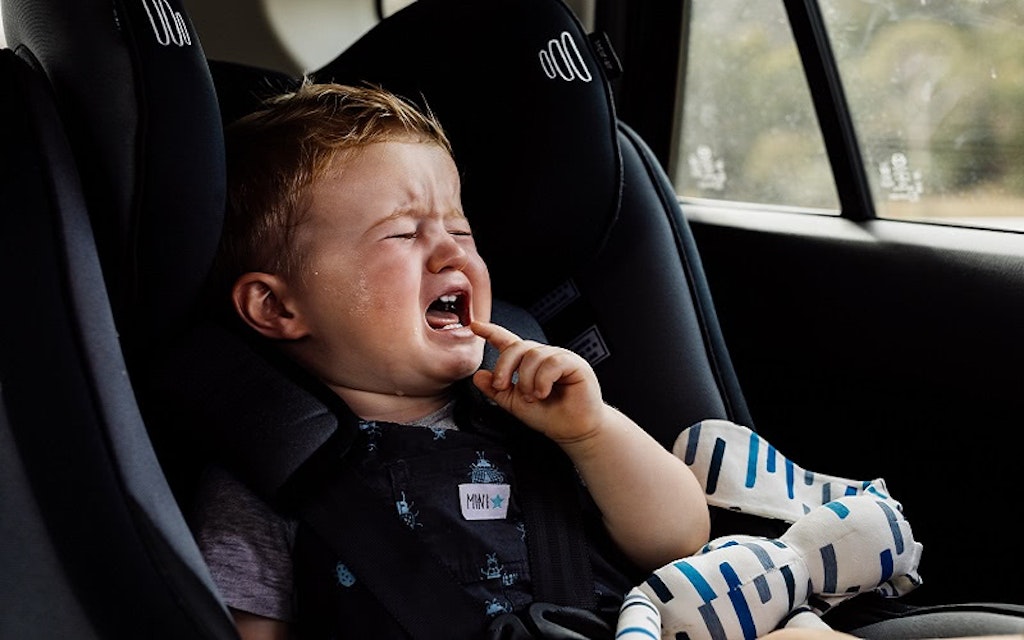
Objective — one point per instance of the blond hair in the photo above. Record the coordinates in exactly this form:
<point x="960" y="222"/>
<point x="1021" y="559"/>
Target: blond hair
<point x="277" y="152"/>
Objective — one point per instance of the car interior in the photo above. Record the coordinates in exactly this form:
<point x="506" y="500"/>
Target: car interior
<point x="116" y="381"/>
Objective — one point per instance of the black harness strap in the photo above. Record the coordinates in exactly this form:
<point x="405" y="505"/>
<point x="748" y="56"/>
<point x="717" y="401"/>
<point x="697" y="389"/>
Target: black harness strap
<point x="559" y="551"/>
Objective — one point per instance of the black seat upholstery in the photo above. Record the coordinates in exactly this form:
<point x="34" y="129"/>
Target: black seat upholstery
<point x="94" y="544"/>
<point x="133" y="91"/>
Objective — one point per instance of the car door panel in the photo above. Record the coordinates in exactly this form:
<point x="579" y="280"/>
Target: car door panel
<point x="885" y="349"/>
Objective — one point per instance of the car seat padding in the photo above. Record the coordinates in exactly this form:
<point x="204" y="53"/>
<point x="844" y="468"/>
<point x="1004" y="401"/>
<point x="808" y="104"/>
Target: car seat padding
<point x="135" y="96"/>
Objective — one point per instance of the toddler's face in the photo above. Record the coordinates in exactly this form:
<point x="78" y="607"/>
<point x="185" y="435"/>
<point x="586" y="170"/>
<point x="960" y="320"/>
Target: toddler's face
<point x="392" y="277"/>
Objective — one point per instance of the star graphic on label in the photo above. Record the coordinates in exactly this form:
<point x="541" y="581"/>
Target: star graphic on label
<point x="497" y="500"/>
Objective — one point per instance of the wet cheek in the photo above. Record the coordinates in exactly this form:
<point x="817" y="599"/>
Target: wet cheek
<point x="341" y="296"/>
<point x="361" y="303"/>
<point x="379" y="296"/>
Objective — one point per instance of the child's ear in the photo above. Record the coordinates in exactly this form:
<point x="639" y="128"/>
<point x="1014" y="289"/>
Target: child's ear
<point x="262" y="301"/>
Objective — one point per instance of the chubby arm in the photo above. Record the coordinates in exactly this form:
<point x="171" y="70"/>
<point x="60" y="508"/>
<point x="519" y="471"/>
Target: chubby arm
<point x="651" y="503"/>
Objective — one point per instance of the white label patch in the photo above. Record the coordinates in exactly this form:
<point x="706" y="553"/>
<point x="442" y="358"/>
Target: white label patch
<point x="484" y="501"/>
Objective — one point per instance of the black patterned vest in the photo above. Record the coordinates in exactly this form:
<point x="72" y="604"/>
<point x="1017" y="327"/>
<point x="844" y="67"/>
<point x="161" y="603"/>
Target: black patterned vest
<point x="457" y="490"/>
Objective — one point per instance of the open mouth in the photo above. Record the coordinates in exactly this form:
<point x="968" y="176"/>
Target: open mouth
<point x="449" y="311"/>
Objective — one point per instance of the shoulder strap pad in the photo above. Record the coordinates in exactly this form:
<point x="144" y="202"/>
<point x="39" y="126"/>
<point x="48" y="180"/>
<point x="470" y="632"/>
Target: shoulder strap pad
<point x="257" y="414"/>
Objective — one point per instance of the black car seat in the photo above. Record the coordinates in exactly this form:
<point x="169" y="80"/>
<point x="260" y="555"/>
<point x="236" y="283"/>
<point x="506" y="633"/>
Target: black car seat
<point x="133" y="91"/>
<point x="94" y="544"/>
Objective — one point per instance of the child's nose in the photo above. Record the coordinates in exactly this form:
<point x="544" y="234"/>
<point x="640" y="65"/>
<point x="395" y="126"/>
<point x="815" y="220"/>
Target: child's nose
<point x="447" y="253"/>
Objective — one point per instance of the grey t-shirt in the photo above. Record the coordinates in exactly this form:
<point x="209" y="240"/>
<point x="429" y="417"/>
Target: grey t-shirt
<point x="247" y="546"/>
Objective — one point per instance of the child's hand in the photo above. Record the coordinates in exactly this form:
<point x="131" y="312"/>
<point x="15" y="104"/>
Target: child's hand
<point x="624" y="468"/>
<point x="556" y="393"/>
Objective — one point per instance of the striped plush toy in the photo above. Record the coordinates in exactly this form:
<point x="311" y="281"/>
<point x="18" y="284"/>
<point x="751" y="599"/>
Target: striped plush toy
<point x="846" y="537"/>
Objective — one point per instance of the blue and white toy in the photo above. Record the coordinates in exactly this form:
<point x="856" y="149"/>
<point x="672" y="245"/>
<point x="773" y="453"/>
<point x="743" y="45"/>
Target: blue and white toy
<point x="853" y="541"/>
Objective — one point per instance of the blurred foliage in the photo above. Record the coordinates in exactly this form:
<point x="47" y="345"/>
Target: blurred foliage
<point x="934" y="87"/>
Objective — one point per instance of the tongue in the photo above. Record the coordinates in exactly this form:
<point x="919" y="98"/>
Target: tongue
<point x="440" y="319"/>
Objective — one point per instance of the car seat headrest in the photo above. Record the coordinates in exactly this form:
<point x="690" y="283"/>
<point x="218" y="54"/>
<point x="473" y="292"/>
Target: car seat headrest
<point x="138" y="105"/>
<point x="242" y="89"/>
<point x="528" y="108"/>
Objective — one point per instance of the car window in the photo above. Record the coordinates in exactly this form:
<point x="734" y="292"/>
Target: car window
<point x="935" y="91"/>
<point x="933" y="88"/>
<point x="748" y="130"/>
<point x="387" y="7"/>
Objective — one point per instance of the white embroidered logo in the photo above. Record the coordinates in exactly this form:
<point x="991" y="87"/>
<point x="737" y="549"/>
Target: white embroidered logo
<point x="562" y="59"/>
<point x="168" y="25"/>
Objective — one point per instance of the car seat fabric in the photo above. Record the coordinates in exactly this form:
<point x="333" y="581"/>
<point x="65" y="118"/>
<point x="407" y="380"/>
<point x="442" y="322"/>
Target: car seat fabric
<point x="133" y="90"/>
<point x="241" y="88"/>
<point x="949" y="621"/>
<point x="97" y="546"/>
<point x="29" y="558"/>
<point x="647" y="297"/>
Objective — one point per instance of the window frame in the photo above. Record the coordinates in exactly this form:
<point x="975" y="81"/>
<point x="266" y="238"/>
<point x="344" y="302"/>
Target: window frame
<point x="837" y="129"/>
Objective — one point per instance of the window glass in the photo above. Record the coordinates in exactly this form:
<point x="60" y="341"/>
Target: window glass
<point x="936" y="90"/>
<point x="748" y="130"/>
<point x="388" y="7"/>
